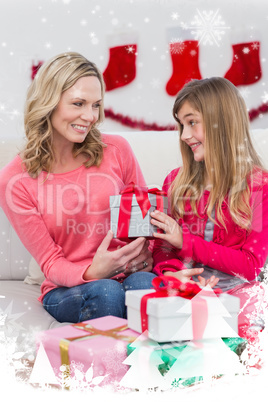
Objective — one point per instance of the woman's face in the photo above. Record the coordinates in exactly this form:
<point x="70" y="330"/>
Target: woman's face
<point x="77" y="111"/>
<point x="193" y="133"/>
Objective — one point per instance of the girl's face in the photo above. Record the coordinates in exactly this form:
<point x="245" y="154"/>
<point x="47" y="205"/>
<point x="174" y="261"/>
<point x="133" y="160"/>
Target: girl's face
<point x="77" y="111"/>
<point x="193" y="133"/>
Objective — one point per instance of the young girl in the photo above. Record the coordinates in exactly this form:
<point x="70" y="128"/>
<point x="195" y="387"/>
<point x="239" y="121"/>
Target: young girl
<point x="218" y="199"/>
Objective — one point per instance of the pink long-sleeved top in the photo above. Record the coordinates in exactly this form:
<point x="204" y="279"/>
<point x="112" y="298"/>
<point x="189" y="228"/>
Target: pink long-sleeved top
<point x="62" y="218"/>
<point x="233" y="251"/>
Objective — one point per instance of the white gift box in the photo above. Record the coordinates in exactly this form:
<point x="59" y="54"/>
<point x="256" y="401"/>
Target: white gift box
<point x="170" y="318"/>
<point x="138" y="226"/>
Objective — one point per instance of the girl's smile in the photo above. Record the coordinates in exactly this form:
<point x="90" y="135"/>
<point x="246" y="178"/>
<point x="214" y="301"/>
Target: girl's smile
<point x="193" y="133"/>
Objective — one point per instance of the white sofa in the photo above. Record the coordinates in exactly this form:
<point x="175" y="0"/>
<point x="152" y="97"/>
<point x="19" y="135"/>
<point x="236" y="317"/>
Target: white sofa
<point x="20" y="312"/>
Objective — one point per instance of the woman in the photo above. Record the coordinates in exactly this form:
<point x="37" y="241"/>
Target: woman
<point x="218" y="198"/>
<point x="56" y="194"/>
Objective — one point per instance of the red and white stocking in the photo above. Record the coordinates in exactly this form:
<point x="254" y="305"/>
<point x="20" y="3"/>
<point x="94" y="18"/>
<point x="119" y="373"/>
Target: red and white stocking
<point x="121" y="68"/>
<point x="35" y="67"/>
<point x="245" y="68"/>
<point x="184" y="54"/>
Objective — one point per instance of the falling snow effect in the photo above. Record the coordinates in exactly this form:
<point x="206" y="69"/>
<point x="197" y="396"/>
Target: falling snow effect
<point x="208" y="29"/>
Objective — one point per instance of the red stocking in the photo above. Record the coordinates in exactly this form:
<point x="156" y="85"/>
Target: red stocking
<point x="35" y="68"/>
<point x="121" y="68"/>
<point x="245" y="68"/>
<point x="184" y="55"/>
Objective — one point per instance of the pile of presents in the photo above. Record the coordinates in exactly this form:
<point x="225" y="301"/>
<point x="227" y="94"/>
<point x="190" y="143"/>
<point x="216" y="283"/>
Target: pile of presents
<point x="175" y="335"/>
<point x="177" y="342"/>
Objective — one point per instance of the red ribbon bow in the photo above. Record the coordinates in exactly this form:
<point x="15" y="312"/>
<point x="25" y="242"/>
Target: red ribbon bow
<point x="143" y="201"/>
<point x="169" y="286"/>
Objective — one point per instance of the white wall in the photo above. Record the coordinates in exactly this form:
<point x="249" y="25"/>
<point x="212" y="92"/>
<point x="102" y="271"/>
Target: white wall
<point x="39" y="29"/>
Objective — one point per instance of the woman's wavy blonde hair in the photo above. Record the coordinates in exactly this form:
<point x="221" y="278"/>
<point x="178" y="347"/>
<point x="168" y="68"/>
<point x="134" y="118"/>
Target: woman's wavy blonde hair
<point x="229" y="153"/>
<point x="53" y="78"/>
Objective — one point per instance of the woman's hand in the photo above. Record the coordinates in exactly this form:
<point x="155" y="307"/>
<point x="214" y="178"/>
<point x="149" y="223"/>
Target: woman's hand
<point x="107" y="264"/>
<point x="143" y="262"/>
<point x="172" y="231"/>
<point x="185" y="275"/>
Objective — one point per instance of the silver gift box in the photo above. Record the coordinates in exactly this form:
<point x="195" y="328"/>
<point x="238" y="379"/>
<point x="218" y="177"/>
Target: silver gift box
<point x="138" y="226"/>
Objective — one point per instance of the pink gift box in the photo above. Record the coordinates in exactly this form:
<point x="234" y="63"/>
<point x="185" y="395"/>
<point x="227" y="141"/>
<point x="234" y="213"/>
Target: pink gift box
<point x="106" y="351"/>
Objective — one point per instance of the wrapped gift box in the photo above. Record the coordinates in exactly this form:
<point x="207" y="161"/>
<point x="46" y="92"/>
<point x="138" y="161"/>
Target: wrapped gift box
<point x="171" y="319"/>
<point x="168" y="351"/>
<point x="138" y="223"/>
<point x="100" y="341"/>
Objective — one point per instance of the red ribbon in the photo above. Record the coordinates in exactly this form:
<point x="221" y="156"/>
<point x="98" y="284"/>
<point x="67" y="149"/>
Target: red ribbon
<point x="159" y="198"/>
<point x="169" y="286"/>
<point x="144" y="203"/>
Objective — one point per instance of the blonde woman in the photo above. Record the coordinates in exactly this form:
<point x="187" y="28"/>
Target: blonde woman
<point x="56" y="195"/>
<point x="218" y="199"/>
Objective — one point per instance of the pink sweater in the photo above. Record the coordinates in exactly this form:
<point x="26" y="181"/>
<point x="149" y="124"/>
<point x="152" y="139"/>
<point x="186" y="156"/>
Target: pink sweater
<point x="233" y="251"/>
<point x="62" y="219"/>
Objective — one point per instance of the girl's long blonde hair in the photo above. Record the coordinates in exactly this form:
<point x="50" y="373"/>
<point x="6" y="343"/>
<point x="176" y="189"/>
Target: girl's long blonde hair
<point x="53" y="78"/>
<point x="229" y="153"/>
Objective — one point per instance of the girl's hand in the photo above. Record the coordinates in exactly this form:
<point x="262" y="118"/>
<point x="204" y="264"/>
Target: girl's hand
<point x="143" y="262"/>
<point x="185" y="276"/>
<point x="107" y="264"/>
<point x="172" y="231"/>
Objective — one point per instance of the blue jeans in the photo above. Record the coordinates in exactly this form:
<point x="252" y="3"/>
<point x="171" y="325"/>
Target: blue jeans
<point x="94" y="299"/>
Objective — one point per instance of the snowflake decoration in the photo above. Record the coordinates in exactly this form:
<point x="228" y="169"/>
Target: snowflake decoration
<point x="113" y="360"/>
<point x="193" y="52"/>
<point x="252" y="356"/>
<point x="174" y="16"/>
<point x="177" y="46"/>
<point x="155" y="83"/>
<point x="255" y="45"/>
<point x="78" y="379"/>
<point x="208" y="27"/>
<point x="265" y="97"/>
<point x="9" y="321"/>
<point x="10" y="356"/>
<point x="246" y="50"/>
<point x="130" y="49"/>
<point x="254" y="295"/>
<point x="245" y="92"/>
<point x="12" y="114"/>
<point x="175" y="383"/>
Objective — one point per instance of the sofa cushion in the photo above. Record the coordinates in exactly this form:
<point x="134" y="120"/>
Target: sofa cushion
<point x="22" y="314"/>
<point x="158" y="152"/>
<point x="36" y="276"/>
<point x="14" y="258"/>
<point x="260" y="142"/>
<point x="9" y="148"/>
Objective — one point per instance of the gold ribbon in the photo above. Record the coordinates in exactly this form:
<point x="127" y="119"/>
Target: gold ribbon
<point x="93" y="332"/>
